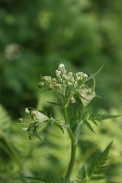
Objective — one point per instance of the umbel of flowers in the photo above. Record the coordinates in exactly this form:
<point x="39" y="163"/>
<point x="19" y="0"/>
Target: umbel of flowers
<point x="69" y="86"/>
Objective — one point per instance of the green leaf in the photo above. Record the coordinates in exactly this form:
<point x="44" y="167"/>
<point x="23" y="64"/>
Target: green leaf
<point x="53" y="103"/>
<point x="50" y="179"/>
<point x="57" y="123"/>
<point x="5" y="143"/>
<point x="7" y="147"/>
<point x="5" y="120"/>
<point x="89" y="126"/>
<point x="82" y="176"/>
<point x="100" y="117"/>
<point x="95" y="169"/>
<point x="98" y="165"/>
<point x="94" y="118"/>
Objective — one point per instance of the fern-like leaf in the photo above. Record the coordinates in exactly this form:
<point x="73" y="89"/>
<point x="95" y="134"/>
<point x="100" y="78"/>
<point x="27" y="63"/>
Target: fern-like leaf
<point x="100" y="117"/>
<point x="5" y="120"/>
<point x="59" y="126"/>
<point x="97" y="166"/>
<point x="89" y="126"/>
<point x="57" y="123"/>
<point x="94" y="118"/>
<point x="50" y="179"/>
<point x="82" y="176"/>
<point x="95" y="170"/>
<point x="5" y="143"/>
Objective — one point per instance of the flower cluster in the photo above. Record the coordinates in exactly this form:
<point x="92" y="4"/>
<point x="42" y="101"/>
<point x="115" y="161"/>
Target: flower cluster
<point x="68" y="85"/>
<point x="35" y="118"/>
<point x="86" y="94"/>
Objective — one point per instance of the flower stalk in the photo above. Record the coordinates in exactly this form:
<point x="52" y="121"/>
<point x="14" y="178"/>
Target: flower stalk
<point x="73" y="145"/>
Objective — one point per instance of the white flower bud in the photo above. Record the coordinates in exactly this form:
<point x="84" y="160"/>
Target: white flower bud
<point x="61" y="67"/>
<point x="70" y="74"/>
<point x="20" y="120"/>
<point x="27" y="111"/>
<point x="41" y="84"/>
<point x="72" y="80"/>
<point x="56" y="86"/>
<point x="69" y="83"/>
<point x="47" y="78"/>
<point x="72" y="100"/>
<point x="64" y="76"/>
<point x="54" y="80"/>
<point x="58" y="73"/>
<point x="85" y="75"/>
<point x="81" y="76"/>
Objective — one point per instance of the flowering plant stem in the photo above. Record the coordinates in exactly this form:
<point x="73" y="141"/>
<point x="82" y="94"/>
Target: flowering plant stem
<point x="73" y="145"/>
<point x="71" y="88"/>
<point x="72" y="160"/>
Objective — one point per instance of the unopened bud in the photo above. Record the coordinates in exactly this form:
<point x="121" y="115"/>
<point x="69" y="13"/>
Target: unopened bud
<point x="72" y="100"/>
<point x="70" y="74"/>
<point x="47" y="78"/>
<point x="41" y="84"/>
<point x="27" y="111"/>
<point x="61" y="67"/>
<point x="20" y="120"/>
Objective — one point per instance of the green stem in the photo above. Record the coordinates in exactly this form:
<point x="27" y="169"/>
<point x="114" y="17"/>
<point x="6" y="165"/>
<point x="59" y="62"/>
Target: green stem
<point x="72" y="160"/>
<point x="73" y="145"/>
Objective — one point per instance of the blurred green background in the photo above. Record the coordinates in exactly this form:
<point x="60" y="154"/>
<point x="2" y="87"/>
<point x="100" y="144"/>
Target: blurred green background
<point x="35" y="36"/>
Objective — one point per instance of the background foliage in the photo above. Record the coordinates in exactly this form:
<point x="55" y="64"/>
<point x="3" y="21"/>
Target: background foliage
<point x="35" y="36"/>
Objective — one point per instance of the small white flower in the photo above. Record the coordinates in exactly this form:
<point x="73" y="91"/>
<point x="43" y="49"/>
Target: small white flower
<point x="39" y="116"/>
<point x="86" y="95"/>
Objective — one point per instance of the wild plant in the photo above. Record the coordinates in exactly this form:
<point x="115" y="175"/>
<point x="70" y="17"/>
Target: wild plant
<point x="74" y="94"/>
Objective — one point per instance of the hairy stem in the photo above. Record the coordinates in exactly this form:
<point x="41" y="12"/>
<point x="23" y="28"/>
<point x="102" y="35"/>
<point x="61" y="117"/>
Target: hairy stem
<point x="73" y="145"/>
